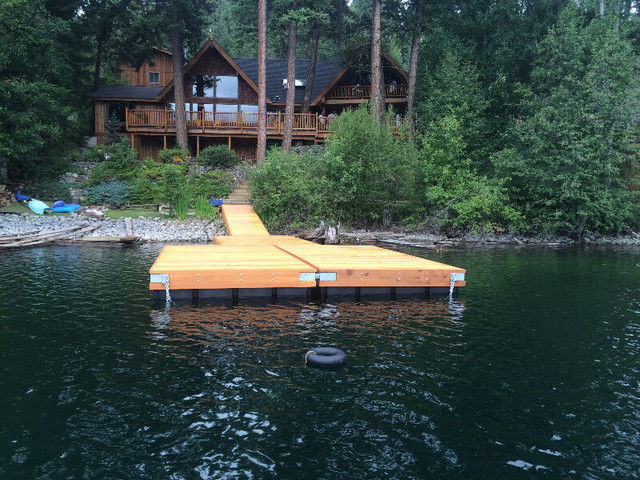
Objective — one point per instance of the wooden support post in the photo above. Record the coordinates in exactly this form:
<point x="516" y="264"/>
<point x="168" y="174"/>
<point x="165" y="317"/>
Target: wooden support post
<point x="197" y="145"/>
<point x="164" y="138"/>
<point x="126" y="119"/>
<point x="229" y="142"/>
<point x="132" y="141"/>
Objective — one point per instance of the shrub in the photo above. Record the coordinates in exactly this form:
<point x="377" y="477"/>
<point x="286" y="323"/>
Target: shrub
<point x="202" y="186"/>
<point x="114" y="193"/>
<point x="115" y="161"/>
<point x="173" y="155"/>
<point x="49" y="191"/>
<point x="290" y="189"/>
<point x="173" y="182"/>
<point x="218" y="156"/>
<point x="144" y="190"/>
<point x="150" y="169"/>
<point x="203" y="209"/>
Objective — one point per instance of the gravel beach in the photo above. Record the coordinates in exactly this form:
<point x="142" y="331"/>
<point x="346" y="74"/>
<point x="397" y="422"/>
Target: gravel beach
<point x="149" y="229"/>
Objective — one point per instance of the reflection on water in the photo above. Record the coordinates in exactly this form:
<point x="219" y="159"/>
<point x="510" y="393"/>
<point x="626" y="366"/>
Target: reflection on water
<point x="532" y="371"/>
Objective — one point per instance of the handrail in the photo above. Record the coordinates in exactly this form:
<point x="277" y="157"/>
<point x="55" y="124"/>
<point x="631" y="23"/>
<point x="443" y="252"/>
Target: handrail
<point x="156" y="120"/>
<point x="364" y="91"/>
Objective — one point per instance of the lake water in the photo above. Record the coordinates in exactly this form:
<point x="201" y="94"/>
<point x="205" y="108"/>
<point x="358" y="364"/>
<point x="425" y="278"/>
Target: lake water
<point x="532" y="371"/>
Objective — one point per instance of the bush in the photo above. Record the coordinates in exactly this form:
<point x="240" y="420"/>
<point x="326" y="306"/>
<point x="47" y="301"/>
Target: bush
<point x="173" y="155"/>
<point x="290" y="189"/>
<point x="452" y="191"/>
<point x="144" y="191"/>
<point x="114" y="193"/>
<point x="202" y="186"/>
<point x="114" y="161"/>
<point x="49" y="191"/>
<point x="218" y="156"/>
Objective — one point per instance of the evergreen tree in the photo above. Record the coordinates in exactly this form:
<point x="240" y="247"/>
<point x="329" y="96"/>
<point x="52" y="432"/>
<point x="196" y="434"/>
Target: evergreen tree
<point x="578" y="131"/>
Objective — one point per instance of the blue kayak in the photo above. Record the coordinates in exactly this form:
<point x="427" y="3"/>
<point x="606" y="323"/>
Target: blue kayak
<point x="36" y="206"/>
<point x="61" y="207"/>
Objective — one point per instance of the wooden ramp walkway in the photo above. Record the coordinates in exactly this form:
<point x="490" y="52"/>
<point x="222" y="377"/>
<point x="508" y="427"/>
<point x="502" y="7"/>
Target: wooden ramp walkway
<point x="250" y="263"/>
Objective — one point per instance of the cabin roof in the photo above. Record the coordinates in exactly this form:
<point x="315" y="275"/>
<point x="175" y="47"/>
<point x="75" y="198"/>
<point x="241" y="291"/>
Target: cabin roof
<point x="127" y="92"/>
<point x="277" y="72"/>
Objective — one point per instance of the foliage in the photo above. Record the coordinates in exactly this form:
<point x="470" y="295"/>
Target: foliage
<point x="116" y="161"/>
<point x="290" y="189"/>
<point x="368" y="167"/>
<point x="220" y="176"/>
<point x="204" y="209"/>
<point x="218" y="156"/>
<point x="364" y="175"/>
<point x="114" y="193"/>
<point x="144" y="191"/>
<point x="35" y="114"/>
<point x="203" y="186"/>
<point x="451" y="88"/>
<point x="173" y="182"/>
<point x="173" y="155"/>
<point x="49" y="190"/>
<point x="565" y="173"/>
<point x="452" y="190"/>
<point x="180" y="206"/>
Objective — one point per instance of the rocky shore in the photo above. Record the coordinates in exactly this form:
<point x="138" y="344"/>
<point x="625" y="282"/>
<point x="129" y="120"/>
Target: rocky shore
<point x="199" y="230"/>
<point x="148" y="229"/>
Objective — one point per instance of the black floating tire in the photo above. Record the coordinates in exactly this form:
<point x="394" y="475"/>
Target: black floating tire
<point x="325" y="357"/>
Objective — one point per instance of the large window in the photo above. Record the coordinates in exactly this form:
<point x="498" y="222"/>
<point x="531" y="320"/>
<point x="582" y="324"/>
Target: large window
<point x="215" y="86"/>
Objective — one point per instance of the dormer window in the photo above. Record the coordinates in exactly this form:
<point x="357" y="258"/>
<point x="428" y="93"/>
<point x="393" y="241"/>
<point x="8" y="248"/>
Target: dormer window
<point x="154" y="77"/>
<point x="215" y="86"/>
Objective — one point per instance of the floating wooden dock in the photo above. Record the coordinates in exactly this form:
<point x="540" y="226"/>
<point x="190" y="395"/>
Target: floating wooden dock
<point x="250" y="263"/>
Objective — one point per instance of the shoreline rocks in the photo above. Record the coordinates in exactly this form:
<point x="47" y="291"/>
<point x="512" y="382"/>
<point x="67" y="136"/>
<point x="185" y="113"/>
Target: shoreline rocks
<point x="149" y="229"/>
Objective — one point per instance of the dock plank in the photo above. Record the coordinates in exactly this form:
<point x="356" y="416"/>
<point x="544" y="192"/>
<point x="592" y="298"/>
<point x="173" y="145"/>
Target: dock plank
<point x="242" y="220"/>
<point x="370" y="266"/>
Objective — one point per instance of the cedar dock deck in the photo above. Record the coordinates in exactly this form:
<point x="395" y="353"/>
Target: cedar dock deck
<point x="249" y="263"/>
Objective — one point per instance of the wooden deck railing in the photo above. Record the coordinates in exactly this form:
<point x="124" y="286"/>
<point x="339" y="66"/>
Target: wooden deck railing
<point x="364" y="91"/>
<point x="304" y="124"/>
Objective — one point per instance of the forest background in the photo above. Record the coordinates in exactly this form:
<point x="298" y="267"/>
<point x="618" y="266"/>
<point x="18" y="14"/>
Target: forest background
<point x="525" y="117"/>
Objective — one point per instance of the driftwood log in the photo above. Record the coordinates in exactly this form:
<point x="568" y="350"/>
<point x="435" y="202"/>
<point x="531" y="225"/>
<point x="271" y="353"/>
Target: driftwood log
<point x="43" y="238"/>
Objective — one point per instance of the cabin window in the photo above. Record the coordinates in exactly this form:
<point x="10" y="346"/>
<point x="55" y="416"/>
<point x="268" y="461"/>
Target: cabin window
<point x="249" y="108"/>
<point x="154" y="77"/>
<point x="227" y="87"/>
<point x="226" y="108"/>
<point x="215" y="86"/>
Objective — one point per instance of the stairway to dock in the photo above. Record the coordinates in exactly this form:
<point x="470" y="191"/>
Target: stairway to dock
<point x="249" y="263"/>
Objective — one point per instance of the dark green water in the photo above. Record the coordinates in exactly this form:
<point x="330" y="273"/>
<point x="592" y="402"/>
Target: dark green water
<point x="532" y="371"/>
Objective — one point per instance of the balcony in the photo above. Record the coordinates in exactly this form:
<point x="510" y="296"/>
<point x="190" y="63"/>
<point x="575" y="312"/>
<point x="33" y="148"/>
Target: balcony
<point x="344" y="94"/>
<point x="305" y="125"/>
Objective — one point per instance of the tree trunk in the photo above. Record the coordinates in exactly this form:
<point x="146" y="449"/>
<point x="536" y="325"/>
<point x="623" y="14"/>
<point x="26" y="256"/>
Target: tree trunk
<point x="377" y="104"/>
<point x="262" y="80"/>
<point x="178" y="84"/>
<point x="287" y="135"/>
<point x="96" y="75"/>
<point x="311" y="72"/>
<point x="413" y="68"/>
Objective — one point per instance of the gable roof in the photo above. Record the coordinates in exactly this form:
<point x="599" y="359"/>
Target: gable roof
<point x="211" y="43"/>
<point x="277" y="72"/>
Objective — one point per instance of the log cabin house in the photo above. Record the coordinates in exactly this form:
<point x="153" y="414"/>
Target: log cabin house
<point x="221" y="100"/>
